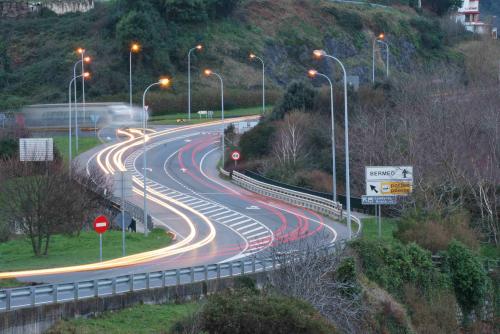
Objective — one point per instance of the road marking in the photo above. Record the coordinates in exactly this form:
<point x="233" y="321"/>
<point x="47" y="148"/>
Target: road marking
<point x="247" y="226"/>
<point x="239" y="223"/>
<point x="254" y="230"/>
<point x="221" y="219"/>
<point x="256" y="235"/>
<point x="221" y="213"/>
<point x="230" y="220"/>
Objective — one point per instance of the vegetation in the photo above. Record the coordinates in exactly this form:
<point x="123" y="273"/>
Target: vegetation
<point x="79" y="249"/>
<point x="142" y="319"/>
<point x="85" y="144"/>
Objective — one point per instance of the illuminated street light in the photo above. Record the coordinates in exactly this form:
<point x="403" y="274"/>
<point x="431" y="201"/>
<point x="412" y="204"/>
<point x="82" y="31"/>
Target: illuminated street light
<point x="82" y="51"/>
<point x="253" y="57"/>
<point x="313" y="74"/>
<point x="380" y="39"/>
<point x="198" y="47"/>
<point x="320" y="54"/>
<point x="87" y="60"/>
<point x="85" y="75"/>
<point x="208" y="73"/>
<point x="134" y="48"/>
<point x="163" y="82"/>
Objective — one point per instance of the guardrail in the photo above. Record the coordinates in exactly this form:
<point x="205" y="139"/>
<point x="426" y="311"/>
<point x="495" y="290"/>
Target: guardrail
<point x="31" y="296"/>
<point x="315" y="203"/>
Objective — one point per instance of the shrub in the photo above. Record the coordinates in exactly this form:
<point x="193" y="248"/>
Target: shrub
<point x="256" y="143"/>
<point x="467" y="275"/>
<point x="298" y="96"/>
<point x="435" y="233"/>
<point x="395" y="265"/>
<point x="431" y="35"/>
<point x="243" y="312"/>
<point x="347" y="19"/>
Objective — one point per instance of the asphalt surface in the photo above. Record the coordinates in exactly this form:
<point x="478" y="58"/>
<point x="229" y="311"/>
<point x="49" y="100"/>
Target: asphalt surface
<point x="182" y="171"/>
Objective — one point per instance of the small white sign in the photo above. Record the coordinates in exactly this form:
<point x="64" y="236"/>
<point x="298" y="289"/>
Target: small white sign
<point x="36" y="149"/>
<point x="389" y="173"/>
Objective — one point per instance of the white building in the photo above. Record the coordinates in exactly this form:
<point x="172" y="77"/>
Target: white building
<point x="469" y="16"/>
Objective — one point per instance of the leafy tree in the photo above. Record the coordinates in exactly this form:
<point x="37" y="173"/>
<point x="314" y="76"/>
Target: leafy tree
<point x="442" y="7"/>
<point x="186" y="10"/>
<point x="468" y="277"/>
<point x="298" y="96"/>
<point x="255" y="143"/>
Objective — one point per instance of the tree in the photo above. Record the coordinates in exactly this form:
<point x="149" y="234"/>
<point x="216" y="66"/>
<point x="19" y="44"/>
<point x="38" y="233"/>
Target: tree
<point x="298" y="96"/>
<point x="256" y="143"/>
<point x="442" y="7"/>
<point x="468" y="277"/>
<point x="290" y="144"/>
<point x="41" y="199"/>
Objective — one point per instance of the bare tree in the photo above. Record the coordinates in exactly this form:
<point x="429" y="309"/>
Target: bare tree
<point x="41" y="199"/>
<point x="307" y="270"/>
<point x="289" y="147"/>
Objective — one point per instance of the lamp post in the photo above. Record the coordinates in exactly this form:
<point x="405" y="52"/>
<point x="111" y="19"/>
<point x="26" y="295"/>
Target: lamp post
<point x="81" y="51"/>
<point x="380" y="39"/>
<point x="87" y="60"/>
<point x="164" y="82"/>
<point x="253" y="56"/>
<point x="312" y="74"/>
<point x="320" y="54"/>
<point x="209" y="73"/>
<point x="134" y="48"/>
<point x="198" y="47"/>
<point x="84" y="75"/>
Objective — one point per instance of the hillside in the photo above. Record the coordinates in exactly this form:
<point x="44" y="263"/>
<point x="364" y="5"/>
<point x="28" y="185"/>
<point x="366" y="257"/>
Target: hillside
<point x="36" y="53"/>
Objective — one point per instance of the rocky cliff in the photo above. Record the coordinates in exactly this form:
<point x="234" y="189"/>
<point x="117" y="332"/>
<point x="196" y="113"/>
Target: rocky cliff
<point x="17" y="9"/>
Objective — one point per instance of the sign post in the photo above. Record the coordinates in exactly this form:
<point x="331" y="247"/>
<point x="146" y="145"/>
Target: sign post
<point x="384" y="185"/>
<point x="101" y="225"/>
<point x="236" y="155"/>
<point x="124" y="179"/>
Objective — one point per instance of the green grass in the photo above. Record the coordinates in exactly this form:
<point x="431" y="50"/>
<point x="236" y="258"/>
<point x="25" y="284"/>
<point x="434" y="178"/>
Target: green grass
<point x="172" y="119"/>
<point x="69" y="251"/>
<point x="142" y="319"/>
<point x="490" y="251"/>
<point x="85" y="144"/>
<point x="370" y="228"/>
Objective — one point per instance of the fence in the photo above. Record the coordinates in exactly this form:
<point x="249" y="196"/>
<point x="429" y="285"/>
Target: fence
<point x="27" y="297"/>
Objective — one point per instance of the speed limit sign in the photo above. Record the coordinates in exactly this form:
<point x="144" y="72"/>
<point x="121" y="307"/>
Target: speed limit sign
<point x="236" y="155"/>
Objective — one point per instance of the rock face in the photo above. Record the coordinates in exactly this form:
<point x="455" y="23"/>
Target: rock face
<point x="67" y="6"/>
<point x="17" y="9"/>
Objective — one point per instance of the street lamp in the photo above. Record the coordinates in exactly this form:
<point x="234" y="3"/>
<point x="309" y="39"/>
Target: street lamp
<point x="198" y="47"/>
<point x="81" y="51"/>
<point x="380" y="39"/>
<point x="134" y="48"/>
<point x="163" y="82"/>
<point x="252" y="57"/>
<point x="209" y="73"/>
<point x="87" y="60"/>
<point x="319" y="54"/>
<point x="312" y="74"/>
<point x="84" y="76"/>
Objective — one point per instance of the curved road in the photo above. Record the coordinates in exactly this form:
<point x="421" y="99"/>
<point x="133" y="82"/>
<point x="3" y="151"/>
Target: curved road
<point x="214" y="220"/>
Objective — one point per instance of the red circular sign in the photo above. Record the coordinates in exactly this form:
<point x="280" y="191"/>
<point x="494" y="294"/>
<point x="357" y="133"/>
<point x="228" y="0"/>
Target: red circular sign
<point x="101" y="224"/>
<point x="236" y="155"/>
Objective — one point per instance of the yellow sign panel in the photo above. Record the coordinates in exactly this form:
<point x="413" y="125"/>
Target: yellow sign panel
<point x="396" y="188"/>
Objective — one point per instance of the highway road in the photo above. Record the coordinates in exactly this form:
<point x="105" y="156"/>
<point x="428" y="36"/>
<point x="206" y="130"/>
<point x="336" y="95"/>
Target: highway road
<point x="214" y="220"/>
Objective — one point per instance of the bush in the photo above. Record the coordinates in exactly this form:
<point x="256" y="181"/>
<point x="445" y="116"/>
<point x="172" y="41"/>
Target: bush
<point x="467" y="275"/>
<point x="256" y="143"/>
<point x="347" y="19"/>
<point x="435" y="233"/>
<point x="243" y="312"/>
<point x="431" y="35"/>
<point x="395" y="265"/>
<point x="298" y="96"/>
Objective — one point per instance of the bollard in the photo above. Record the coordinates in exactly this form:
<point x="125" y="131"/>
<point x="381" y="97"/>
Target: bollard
<point x="54" y="293"/>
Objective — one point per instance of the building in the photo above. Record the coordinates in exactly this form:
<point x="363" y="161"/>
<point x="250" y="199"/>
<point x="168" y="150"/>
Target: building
<point x="469" y="15"/>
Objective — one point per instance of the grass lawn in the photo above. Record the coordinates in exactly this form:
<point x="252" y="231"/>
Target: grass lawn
<point x="172" y="119"/>
<point x="85" y="144"/>
<point x="142" y="319"/>
<point x="68" y="251"/>
<point x="370" y="228"/>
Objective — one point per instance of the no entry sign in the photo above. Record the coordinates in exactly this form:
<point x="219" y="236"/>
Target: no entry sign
<point x="101" y="224"/>
<point x="236" y="155"/>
